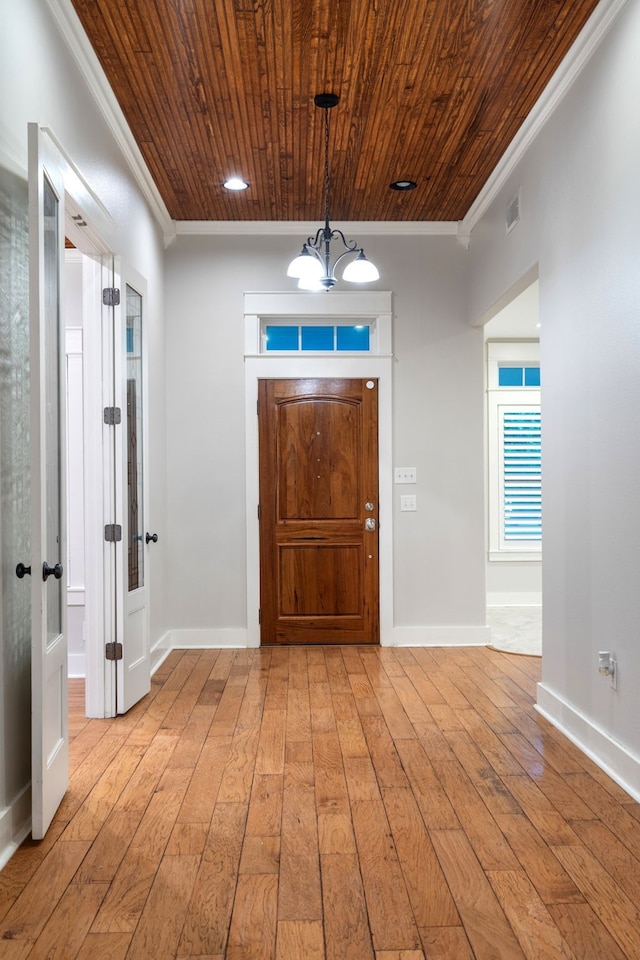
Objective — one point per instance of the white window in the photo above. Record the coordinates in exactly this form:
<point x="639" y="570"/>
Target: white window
<point x="515" y="451"/>
<point x="317" y="336"/>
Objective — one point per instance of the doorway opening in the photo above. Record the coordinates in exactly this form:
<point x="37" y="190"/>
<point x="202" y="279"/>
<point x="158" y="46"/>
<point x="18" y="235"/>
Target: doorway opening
<point x="513" y="463"/>
<point x="373" y="308"/>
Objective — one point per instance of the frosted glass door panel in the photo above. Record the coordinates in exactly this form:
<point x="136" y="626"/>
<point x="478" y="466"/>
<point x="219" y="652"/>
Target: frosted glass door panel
<point x="135" y="440"/>
<point x="52" y="406"/>
<point x="15" y="499"/>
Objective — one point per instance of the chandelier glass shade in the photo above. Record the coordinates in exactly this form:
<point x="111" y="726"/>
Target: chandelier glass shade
<point x="315" y="265"/>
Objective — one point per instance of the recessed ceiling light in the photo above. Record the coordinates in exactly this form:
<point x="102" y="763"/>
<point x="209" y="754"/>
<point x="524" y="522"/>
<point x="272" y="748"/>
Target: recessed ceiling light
<point x="235" y="183"/>
<point x="403" y="185"/>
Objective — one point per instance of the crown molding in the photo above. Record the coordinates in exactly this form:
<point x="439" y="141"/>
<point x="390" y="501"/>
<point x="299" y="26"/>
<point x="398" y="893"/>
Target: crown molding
<point x="580" y="53"/>
<point x="302" y="228"/>
<point x="77" y="41"/>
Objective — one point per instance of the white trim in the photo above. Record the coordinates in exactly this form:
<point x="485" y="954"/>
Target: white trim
<point x="75" y="596"/>
<point x="160" y="650"/>
<point x="94" y="571"/>
<point x="97" y="235"/>
<point x="450" y="636"/>
<point x="208" y="638"/>
<point x="236" y="638"/>
<point x="515" y="599"/>
<point x="306" y="228"/>
<point x="527" y="278"/>
<point x="614" y="758"/>
<point x="76" y="666"/>
<point x="15" y="824"/>
<point x="576" y="59"/>
<point x="73" y="33"/>
<point x="514" y="555"/>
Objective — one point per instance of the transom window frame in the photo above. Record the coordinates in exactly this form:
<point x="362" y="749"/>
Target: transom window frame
<point x="367" y="308"/>
<point x="502" y="400"/>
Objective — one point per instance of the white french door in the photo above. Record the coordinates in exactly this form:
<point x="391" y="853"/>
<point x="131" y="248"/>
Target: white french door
<point x="134" y="669"/>
<point x="48" y="486"/>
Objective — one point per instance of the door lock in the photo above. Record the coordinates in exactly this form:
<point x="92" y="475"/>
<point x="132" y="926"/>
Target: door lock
<point x="369" y="524"/>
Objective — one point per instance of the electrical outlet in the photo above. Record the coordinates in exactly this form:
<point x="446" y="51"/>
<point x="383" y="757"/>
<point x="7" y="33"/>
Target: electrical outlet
<point x="408" y="502"/>
<point x="405" y="475"/>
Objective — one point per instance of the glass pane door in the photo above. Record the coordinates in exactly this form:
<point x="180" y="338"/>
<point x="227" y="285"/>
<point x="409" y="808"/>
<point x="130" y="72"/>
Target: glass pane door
<point x="135" y="466"/>
<point x="51" y="259"/>
<point x="15" y="494"/>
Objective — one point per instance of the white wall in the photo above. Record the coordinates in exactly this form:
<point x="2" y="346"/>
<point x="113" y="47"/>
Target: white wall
<point x="581" y="194"/>
<point x="437" y="400"/>
<point x="42" y="83"/>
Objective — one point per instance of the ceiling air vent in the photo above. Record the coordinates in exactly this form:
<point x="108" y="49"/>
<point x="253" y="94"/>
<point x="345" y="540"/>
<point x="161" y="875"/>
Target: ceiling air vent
<point x="513" y="212"/>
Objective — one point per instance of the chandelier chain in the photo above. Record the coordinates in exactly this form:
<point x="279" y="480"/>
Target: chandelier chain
<point x="327" y="179"/>
<point x="313" y="267"/>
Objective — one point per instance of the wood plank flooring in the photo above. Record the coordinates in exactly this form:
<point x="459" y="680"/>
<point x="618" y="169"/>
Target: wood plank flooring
<point x="342" y="803"/>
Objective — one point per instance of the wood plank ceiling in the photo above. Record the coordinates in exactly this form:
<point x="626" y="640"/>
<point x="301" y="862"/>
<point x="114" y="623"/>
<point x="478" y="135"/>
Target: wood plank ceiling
<point x="431" y="90"/>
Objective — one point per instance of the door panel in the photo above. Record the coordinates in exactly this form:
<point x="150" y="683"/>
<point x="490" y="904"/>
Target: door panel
<point x="49" y="647"/>
<point x="134" y="670"/>
<point x="318" y="511"/>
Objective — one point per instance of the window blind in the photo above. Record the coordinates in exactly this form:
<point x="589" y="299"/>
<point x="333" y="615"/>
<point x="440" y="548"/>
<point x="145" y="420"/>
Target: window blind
<point x="521" y="469"/>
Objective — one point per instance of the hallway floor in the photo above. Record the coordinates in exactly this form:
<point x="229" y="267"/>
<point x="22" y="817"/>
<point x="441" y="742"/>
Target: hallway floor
<point x="342" y="803"/>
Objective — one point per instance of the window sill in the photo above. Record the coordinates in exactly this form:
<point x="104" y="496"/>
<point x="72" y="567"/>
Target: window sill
<point x="515" y="556"/>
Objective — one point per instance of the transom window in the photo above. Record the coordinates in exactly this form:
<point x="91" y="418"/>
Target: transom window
<point x="317" y="338"/>
<point x="512" y="375"/>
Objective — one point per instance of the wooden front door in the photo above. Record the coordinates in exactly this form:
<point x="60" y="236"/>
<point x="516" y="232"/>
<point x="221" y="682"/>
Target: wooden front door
<point x="318" y="443"/>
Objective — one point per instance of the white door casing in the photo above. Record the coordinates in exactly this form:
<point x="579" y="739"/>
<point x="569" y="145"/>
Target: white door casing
<point x="368" y="305"/>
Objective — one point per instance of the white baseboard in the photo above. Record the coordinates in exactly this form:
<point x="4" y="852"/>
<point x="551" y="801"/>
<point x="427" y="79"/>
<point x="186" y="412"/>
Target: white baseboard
<point x="616" y="761"/>
<point x="208" y="638"/>
<point x="76" y="665"/>
<point x="238" y="638"/>
<point x="15" y="825"/>
<point x="514" y="599"/>
<point x="441" y="636"/>
<point x="160" y="651"/>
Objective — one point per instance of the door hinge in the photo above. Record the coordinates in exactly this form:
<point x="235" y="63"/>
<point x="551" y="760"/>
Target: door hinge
<point x="113" y="651"/>
<point x="259" y="616"/>
<point x="112" y="416"/>
<point x="259" y="511"/>
<point x="113" y="532"/>
<point x="111" y="297"/>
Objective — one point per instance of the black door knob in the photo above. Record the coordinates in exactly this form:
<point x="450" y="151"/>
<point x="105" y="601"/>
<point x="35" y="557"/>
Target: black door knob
<point x="55" y="571"/>
<point x="22" y="571"/>
<point x="151" y="537"/>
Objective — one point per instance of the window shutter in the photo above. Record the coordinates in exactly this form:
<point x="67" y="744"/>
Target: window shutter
<point x="521" y="474"/>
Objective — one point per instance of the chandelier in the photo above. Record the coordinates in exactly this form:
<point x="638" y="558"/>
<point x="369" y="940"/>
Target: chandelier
<point x="313" y="268"/>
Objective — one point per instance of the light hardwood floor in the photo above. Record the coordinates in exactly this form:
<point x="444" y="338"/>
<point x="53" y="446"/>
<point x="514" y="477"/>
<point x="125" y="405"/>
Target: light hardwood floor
<point x="342" y="803"/>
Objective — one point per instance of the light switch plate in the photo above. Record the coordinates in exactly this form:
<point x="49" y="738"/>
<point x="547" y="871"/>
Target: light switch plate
<point x="405" y="475"/>
<point x="408" y="502"/>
